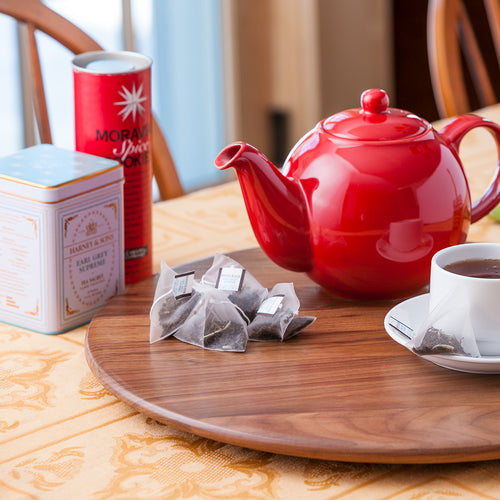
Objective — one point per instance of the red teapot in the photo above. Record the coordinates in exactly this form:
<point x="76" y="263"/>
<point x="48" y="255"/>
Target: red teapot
<point x="364" y="199"/>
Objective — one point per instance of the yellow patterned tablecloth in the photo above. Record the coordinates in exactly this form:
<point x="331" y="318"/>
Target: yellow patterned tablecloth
<point x="62" y="435"/>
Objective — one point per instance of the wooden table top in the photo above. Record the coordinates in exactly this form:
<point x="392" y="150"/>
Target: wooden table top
<point x="340" y="390"/>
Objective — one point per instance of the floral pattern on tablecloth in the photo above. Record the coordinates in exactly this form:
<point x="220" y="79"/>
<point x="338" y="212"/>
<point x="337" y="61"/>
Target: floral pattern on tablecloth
<point x="180" y="466"/>
<point x="63" y="435"/>
<point x="25" y="378"/>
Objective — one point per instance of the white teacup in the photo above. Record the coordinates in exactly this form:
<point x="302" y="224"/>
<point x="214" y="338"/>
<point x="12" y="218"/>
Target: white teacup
<point x="482" y="295"/>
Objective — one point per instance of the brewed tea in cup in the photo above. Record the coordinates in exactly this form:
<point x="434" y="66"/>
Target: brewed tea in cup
<point x="470" y="271"/>
<point x="476" y="268"/>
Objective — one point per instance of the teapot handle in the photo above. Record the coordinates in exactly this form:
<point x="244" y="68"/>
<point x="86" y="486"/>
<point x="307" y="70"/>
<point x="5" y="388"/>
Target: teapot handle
<point x="454" y="132"/>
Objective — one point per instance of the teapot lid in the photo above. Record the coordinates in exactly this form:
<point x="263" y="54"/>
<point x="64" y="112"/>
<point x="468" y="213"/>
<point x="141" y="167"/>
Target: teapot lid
<point x="375" y="121"/>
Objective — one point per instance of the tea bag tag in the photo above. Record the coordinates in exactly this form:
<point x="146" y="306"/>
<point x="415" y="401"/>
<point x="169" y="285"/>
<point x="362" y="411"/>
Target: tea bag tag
<point x="401" y="327"/>
<point x="183" y="285"/>
<point x="270" y="305"/>
<point x="230" y="279"/>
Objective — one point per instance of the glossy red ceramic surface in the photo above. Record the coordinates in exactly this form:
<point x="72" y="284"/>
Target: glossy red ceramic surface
<point x="364" y="199"/>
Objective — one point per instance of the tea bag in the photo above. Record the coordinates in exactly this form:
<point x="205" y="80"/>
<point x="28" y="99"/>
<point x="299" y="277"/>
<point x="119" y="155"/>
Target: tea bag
<point x="276" y="317"/>
<point x="297" y="324"/>
<point x="240" y="287"/>
<point x="447" y="329"/>
<point x="172" y="303"/>
<point x="214" y="323"/>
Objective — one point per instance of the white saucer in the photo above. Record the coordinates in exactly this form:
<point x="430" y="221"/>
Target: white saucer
<point x="408" y="316"/>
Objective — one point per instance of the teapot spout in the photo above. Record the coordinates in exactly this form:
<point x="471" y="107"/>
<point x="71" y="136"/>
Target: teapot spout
<point x="277" y="206"/>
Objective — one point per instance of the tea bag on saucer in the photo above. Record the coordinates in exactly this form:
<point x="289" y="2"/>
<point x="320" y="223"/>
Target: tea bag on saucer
<point x="240" y="287"/>
<point x="276" y="318"/>
<point x="214" y="323"/>
<point x="447" y="329"/>
<point x="173" y="301"/>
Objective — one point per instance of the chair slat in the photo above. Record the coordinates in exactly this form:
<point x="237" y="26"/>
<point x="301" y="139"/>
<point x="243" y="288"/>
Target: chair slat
<point x="38" y="92"/>
<point x="475" y="60"/>
<point x="493" y="10"/>
<point x="449" y="35"/>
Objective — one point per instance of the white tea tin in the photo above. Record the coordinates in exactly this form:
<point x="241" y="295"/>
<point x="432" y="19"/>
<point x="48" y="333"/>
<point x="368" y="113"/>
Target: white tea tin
<point x="61" y="237"/>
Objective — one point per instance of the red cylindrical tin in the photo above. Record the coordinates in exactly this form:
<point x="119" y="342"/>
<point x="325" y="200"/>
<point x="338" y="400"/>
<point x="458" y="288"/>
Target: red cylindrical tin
<point x="112" y="92"/>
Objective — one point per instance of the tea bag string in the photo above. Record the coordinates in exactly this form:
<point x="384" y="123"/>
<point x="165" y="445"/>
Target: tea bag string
<point x="161" y="297"/>
<point x="205" y="281"/>
<point x="222" y="324"/>
<point x="219" y="330"/>
<point x="236" y="306"/>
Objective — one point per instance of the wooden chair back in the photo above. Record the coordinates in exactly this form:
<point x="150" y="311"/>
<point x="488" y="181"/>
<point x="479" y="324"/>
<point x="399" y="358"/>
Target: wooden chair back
<point x="453" y="44"/>
<point x="38" y="16"/>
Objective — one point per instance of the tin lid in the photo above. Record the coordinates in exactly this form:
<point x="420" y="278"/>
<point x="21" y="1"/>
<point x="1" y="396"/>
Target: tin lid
<point x="101" y="62"/>
<point x="49" y="174"/>
<point x="110" y="66"/>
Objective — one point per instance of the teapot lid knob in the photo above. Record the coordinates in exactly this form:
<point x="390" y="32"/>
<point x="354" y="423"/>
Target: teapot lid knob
<point x="374" y="101"/>
<point x="375" y="121"/>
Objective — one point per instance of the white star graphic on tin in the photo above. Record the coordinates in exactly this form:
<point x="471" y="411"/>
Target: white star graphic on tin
<point x="132" y="102"/>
